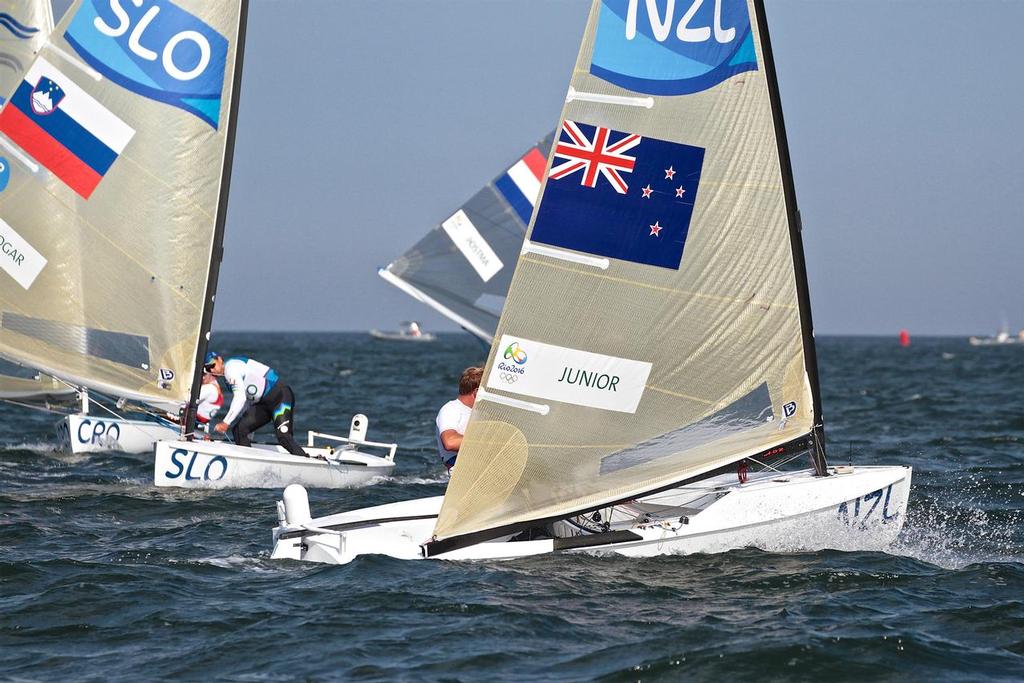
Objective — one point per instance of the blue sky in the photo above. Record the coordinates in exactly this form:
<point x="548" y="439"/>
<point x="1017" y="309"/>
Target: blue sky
<point x="363" y="124"/>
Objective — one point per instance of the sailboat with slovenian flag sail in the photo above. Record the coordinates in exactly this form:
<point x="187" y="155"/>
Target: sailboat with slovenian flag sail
<point x="121" y="136"/>
<point x="24" y="27"/>
<point x="653" y="384"/>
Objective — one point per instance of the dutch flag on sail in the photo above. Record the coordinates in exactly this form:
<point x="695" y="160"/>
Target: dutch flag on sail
<point x="64" y="128"/>
<point x="520" y="185"/>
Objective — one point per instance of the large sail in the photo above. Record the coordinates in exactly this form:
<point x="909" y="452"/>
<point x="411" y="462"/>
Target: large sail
<point x="24" y="27"/>
<point x="657" y="326"/>
<point x="462" y="268"/>
<point x="118" y="137"/>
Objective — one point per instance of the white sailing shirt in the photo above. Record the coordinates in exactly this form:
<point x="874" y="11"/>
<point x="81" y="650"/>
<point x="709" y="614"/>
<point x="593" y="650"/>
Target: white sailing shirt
<point x="250" y="380"/>
<point x="453" y="415"/>
<point x="211" y="399"/>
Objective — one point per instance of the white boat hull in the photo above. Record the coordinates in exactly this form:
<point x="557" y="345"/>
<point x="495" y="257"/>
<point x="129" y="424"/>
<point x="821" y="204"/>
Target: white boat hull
<point x="222" y="465"/>
<point x="400" y="337"/>
<point x="861" y="509"/>
<point x="82" y="433"/>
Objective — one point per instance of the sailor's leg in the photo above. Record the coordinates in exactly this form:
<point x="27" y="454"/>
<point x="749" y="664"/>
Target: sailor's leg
<point x="284" y="408"/>
<point x="255" y="417"/>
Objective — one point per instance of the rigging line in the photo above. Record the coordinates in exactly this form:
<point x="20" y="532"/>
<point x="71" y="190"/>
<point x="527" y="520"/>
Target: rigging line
<point x="45" y="408"/>
<point x="140" y="409"/>
<point x="765" y="465"/>
<point x="573" y="445"/>
<point x="658" y="288"/>
<point x="687" y="396"/>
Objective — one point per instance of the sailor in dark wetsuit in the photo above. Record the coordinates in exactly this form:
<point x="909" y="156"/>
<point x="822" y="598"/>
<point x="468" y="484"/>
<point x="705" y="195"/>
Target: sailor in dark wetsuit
<point x="258" y="391"/>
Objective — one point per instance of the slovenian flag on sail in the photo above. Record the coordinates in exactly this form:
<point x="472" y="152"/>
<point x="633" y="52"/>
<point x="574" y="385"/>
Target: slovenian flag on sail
<point x="64" y="128"/>
<point x="520" y="185"/>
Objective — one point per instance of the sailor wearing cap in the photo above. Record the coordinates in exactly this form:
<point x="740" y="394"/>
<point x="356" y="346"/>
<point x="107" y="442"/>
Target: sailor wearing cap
<point x="256" y="390"/>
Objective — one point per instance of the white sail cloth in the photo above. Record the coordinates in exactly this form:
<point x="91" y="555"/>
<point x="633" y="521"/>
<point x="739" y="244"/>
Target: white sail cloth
<point x="116" y="139"/>
<point x="711" y="347"/>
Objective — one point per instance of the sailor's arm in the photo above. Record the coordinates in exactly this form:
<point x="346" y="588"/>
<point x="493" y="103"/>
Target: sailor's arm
<point x="237" y="405"/>
<point x="451" y="440"/>
<point x="238" y="399"/>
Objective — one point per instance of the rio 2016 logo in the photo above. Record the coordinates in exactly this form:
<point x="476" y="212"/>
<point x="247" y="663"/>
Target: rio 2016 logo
<point x="665" y="47"/>
<point x="154" y="49"/>
<point x="515" y="353"/>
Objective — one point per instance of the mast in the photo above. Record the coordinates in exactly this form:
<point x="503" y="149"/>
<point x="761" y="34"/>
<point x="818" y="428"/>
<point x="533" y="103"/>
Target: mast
<point x="796" y="240"/>
<point x="217" y="253"/>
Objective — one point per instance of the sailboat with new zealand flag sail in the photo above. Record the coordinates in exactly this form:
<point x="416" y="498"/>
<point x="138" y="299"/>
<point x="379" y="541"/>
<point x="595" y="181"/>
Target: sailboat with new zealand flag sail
<point x="653" y="386"/>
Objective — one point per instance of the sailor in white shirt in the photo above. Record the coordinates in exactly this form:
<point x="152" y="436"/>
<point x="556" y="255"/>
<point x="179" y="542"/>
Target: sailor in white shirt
<point x="454" y="415"/>
<point x="257" y="397"/>
<point x="211" y="400"/>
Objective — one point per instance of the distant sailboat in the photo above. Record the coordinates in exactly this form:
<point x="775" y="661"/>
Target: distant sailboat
<point x="463" y="267"/>
<point x="409" y="331"/>
<point x="654" y="367"/>
<point x="1001" y="338"/>
<point x="112" y="228"/>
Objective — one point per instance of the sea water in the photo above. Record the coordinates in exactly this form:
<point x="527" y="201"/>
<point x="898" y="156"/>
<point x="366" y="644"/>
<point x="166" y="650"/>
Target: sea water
<point x="104" y="576"/>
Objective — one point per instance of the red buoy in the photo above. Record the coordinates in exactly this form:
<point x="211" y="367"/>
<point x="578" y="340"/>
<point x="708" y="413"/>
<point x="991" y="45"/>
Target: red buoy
<point x="904" y="338"/>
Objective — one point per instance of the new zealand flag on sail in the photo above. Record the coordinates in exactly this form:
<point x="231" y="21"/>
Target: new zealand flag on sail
<point x="619" y="195"/>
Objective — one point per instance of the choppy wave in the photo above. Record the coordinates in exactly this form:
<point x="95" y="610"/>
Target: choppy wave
<point x="104" y="575"/>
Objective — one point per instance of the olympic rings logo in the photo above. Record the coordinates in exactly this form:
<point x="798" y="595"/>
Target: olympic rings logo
<point x="516" y="353"/>
<point x="508" y="377"/>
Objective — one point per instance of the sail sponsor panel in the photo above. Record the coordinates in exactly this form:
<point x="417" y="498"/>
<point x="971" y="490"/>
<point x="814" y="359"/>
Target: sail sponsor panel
<point x="472" y="245"/>
<point x="670" y="47"/>
<point x="19" y="258"/>
<point x="620" y="195"/>
<point x="64" y="128"/>
<point x="559" y="373"/>
<point x="155" y="49"/>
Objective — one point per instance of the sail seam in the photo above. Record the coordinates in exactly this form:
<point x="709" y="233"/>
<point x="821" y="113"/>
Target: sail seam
<point x="696" y="399"/>
<point x="667" y="290"/>
<point x="540" y="408"/>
